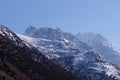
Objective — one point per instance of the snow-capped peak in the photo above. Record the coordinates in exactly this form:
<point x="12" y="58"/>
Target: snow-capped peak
<point x="101" y="45"/>
<point x="30" y="31"/>
<point x="46" y="33"/>
<point x="4" y="31"/>
<point x="90" y="38"/>
<point x="8" y="34"/>
<point x="56" y="35"/>
<point x="71" y="57"/>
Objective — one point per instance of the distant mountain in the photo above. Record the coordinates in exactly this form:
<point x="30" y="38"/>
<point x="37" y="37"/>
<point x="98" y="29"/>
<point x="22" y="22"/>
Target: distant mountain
<point x="18" y="61"/>
<point x="56" y="35"/>
<point x="102" y="46"/>
<point x="70" y="53"/>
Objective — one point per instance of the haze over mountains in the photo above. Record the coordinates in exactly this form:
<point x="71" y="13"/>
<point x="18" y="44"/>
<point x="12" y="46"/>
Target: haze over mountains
<point x="52" y="54"/>
<point x="102" y="46"/>
<point x="91" y="41"/>
<point x="71" y="51"/>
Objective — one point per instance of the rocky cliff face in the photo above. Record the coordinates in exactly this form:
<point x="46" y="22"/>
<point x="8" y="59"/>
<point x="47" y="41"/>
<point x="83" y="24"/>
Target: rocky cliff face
<point x="17" y="61"/>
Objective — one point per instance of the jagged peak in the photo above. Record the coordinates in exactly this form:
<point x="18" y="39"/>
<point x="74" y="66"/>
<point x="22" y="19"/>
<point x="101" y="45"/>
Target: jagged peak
<point x="45" y="32"/>
<point x="30" y="30"/>
<point x="9" y="35"/>
<point x="92" y="38"/>
<point x="4" y="28"/>
<point x="4" y="31"/>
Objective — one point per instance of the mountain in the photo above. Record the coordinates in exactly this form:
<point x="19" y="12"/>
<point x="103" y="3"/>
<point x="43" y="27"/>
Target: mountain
<point x="102" y="46"/>
<point x="56" y="35"/>
<point x="18" y="61"/>
<point x="70" y="53"/>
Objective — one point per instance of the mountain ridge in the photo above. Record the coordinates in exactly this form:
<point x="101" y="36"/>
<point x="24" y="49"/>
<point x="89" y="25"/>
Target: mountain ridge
<point x="101" y="45"/>
<point x="72" y="54"/>
<point x="15" y="51"/>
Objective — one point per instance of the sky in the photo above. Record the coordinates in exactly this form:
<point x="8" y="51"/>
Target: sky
<point x="98" y="16"/>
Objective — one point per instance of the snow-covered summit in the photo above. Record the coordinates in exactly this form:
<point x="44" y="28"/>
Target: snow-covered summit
<point x="8" y="34"/>
<point x="72" y="54"/>
<point x="46" y="33"/>
<point x="90" y="38"/>
<point x="101" y="45"/>
<point x="30" y="31"/>
<point x="56" y="35"/>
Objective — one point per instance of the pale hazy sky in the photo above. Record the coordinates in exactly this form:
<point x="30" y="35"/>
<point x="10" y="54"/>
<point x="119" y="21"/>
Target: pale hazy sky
<point x="99" y="16"/>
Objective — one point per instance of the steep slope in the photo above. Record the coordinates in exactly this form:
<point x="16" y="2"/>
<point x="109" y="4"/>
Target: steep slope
<point x="65" y="52"/>
<point x="102" y="46"/>
<point x="16" y="55"/>
<point x="10" y="72"/>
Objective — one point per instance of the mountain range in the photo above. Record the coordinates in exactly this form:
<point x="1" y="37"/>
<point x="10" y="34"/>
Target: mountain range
<point x="71" y="53"/>
<point x="16" y="61"/>
<point x="52" y="54"/>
